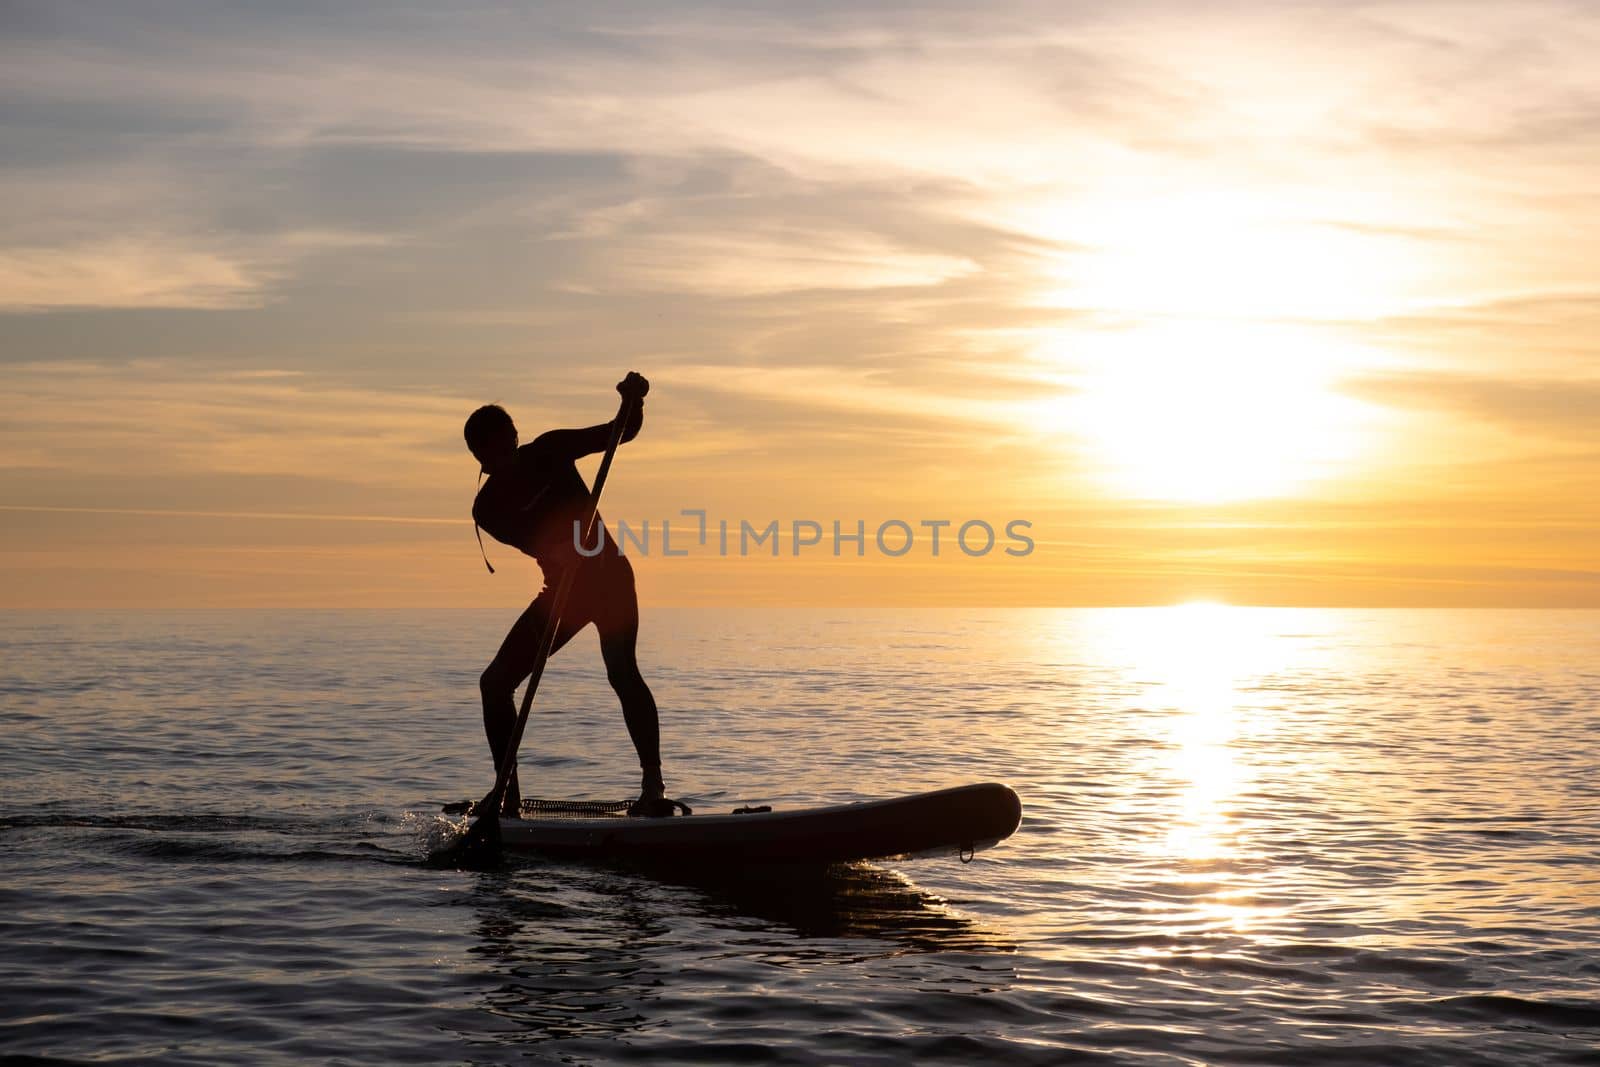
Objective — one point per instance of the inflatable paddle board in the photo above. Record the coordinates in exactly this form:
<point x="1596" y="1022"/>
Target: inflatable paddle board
<point x="958" y="821"/>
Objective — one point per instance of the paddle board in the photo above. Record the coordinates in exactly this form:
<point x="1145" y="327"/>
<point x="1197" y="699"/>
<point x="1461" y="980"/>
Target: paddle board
<point x="957" y="821"/>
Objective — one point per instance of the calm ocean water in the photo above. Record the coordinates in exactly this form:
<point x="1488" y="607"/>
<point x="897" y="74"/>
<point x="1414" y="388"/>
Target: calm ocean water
<point x="1249" y="837"/>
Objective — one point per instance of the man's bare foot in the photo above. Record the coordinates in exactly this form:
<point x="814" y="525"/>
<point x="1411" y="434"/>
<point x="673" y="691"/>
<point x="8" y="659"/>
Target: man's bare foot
<point x="510" y="806"/>
<point x="652" y="802"/>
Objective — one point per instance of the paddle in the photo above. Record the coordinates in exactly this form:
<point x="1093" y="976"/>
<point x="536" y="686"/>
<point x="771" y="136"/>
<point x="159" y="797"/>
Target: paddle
<point x="480" y="845"/>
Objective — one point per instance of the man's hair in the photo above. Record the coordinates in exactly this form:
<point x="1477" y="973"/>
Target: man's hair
<point x="487" y="422"/>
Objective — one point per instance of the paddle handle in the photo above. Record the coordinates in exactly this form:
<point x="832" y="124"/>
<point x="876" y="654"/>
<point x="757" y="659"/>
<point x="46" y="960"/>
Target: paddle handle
<point x="547" y="639"/>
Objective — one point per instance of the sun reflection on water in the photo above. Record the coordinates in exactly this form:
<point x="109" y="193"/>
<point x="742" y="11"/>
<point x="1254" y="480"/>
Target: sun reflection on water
<point x="1198" y="652"/>
<point x="1191" y="708"/>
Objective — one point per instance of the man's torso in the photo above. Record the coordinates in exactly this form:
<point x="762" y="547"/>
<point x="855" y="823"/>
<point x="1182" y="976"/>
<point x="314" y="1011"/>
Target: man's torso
<point x="533" y="506"/>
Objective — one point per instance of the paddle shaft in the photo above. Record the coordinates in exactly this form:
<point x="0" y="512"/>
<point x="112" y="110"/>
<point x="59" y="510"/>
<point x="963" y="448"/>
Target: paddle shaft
<point x="547" y="639"/>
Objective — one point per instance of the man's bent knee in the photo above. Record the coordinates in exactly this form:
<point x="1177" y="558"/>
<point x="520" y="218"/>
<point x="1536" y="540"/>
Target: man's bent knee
<point x="494" y="685"/>
<point x="624" y="677"/>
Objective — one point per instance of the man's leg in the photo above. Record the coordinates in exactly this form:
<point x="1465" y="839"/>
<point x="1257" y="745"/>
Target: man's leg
<point x="618" y="623"/>
<point x="511" y="664"/>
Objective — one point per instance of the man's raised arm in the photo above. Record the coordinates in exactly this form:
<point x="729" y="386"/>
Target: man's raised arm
<point x="575" y="444"/>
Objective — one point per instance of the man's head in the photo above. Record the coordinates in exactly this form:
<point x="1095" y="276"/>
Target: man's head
<point x="491" y="437"/>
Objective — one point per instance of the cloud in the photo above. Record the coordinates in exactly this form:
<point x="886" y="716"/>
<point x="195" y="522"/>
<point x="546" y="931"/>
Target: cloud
<point x="862" y="391"/>
<point x="160" y="417"/>
<point x="779" y="262"/>
<point x="155" y="272"/>
<point x="124" y="274"/>
<point x="408" y="126"/>
<point x="1564" y="410"/>
<point x="1549" y="334"/>
<point x="287" y="516"/>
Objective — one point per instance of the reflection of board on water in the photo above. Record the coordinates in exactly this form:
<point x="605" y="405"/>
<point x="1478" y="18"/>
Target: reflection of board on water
<point x="854" y="900"/>
<point x="523" y="915"/>
<point x="599" y="950"/>
<point x="959" y="821"/>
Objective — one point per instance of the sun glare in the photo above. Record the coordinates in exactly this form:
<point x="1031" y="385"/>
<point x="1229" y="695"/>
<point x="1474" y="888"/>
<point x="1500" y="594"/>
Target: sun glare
<point x="1212" y="412"/>
<point x="1256" y="253"/>
<point x="1203" y="354"/>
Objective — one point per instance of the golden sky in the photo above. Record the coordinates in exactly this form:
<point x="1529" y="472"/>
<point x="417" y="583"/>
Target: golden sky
<point x="1280" y="303"/>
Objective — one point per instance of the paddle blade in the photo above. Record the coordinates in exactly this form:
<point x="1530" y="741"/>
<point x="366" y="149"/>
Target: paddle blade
<point x="479" y="849"/>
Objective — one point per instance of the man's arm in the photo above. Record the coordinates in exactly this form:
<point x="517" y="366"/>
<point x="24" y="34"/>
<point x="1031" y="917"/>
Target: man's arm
<point x="575" y="444"/>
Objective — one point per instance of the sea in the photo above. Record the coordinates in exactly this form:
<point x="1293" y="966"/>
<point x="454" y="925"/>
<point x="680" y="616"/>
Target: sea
<point x="1249" y="836"/>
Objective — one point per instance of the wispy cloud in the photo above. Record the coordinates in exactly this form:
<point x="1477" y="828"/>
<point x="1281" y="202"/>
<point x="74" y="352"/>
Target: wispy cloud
<point x="143" y="417"/>
<point x="179" y="513"/>
<point x="124" y="274"/>
<point x="1560" y="410"/>
<point x="155" y="272"/>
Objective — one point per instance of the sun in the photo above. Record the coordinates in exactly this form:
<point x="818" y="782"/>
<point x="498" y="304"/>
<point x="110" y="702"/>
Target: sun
<point x="1211" y="330"/>
<point x="1213" y="412"/>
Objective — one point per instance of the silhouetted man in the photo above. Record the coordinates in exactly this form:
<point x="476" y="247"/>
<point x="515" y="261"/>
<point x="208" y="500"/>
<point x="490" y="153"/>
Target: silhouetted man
<point x="532" y="499"/>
